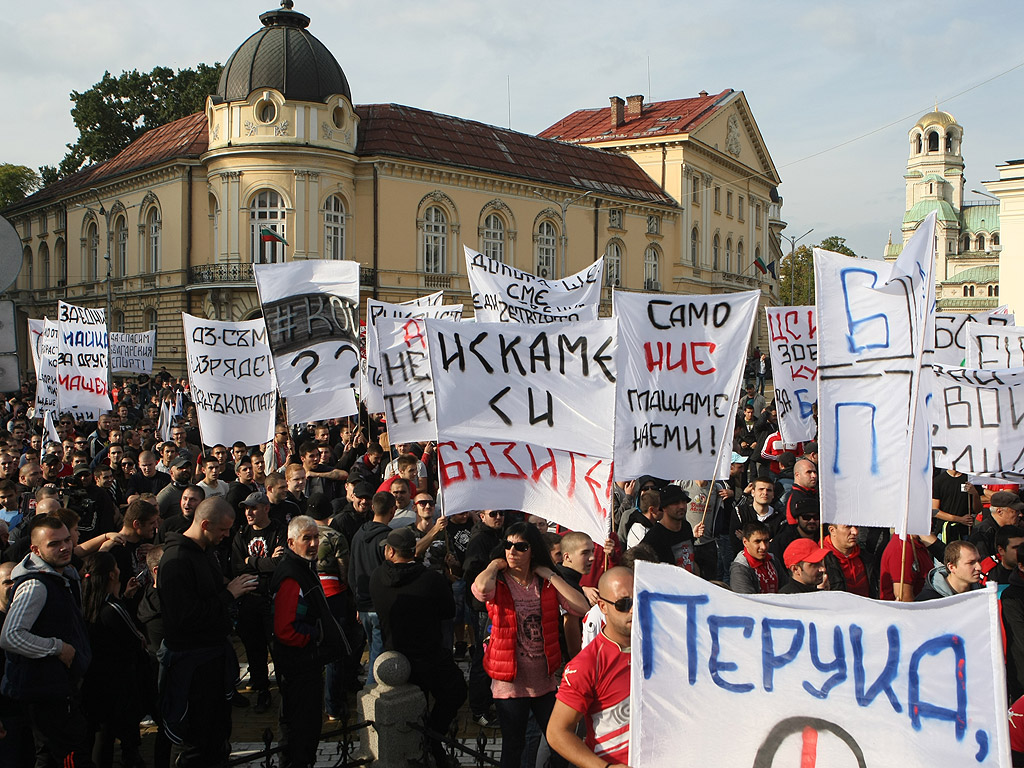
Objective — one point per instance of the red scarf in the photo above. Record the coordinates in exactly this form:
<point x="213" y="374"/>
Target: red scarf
<point x="767" y="576"/>
<point x="854" y="572"/>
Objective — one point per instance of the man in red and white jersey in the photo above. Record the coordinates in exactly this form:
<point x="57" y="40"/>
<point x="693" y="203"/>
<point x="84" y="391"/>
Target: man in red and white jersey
<point x="595" y="685"/>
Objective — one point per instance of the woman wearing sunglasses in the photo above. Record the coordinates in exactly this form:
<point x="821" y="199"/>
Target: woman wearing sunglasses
<point x="523" y="594"/>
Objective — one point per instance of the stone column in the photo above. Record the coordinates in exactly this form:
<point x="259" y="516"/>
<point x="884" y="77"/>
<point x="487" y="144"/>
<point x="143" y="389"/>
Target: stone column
<point x="391" y="705"/>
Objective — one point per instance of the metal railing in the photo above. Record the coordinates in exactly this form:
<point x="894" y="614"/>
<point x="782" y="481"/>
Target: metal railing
<point x="452" y="744"/>
<point x="220" y="273"/>
<point x="346" y="748"/>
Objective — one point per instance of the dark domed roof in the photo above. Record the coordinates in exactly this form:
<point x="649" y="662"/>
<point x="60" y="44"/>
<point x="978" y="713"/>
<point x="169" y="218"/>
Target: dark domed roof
<point x="283" y="56"/>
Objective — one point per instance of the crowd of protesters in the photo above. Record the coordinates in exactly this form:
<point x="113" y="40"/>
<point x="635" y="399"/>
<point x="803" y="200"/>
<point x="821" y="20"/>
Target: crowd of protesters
<point x="135" y="556"/>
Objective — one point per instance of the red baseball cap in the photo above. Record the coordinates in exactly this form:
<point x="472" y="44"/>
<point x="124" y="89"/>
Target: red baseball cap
<point x="803" y="551"/>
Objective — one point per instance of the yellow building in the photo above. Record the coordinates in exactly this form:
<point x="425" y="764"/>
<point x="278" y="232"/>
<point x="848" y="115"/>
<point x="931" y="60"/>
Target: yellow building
<point x="172" y="224"/>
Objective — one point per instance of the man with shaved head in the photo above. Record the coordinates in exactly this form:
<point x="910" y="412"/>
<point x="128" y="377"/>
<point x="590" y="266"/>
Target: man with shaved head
<point x="195" y="659"/>
<point x="805" y="486"/>
<point x="595" y="684"/>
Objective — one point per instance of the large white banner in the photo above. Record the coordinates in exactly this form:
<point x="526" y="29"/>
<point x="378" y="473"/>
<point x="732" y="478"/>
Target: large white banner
<point x="405" y="378"/>
<point x="43" y="343"/>
<point x="680" y="367"/>
<point x="977" y="420"/>
<point x="504" y="294"/>
<point x="793" y="344"/>
<point x="951" y="335"/>
<point x="551" y="385"/>
<point x="874" y="321"/>
<point x="132" y="352"/>
<point x="377" y="311"/>
<point x="82" y="365"/>
<point x="990" y="346"/>
<point x="231" y="376"/>
<point x="565" y="487"/>
<point x="311" y="309"/>
<point x="823" y="679"/>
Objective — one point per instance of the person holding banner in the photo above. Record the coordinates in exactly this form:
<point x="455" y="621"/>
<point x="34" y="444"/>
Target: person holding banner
<point x="523" y="594"/>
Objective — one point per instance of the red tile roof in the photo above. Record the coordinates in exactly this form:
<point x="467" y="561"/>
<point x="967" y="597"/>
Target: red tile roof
<point x="659" y="118"/>
<point x="416" y="134"/>
<point x="185" y="138"/>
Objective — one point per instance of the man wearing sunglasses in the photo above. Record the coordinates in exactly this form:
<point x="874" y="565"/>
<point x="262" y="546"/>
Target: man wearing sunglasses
<point x="595" y="684"/>
<point x="808" y="526"/>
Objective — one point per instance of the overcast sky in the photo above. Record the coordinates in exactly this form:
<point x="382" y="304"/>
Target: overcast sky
<point x="817" y="75"/>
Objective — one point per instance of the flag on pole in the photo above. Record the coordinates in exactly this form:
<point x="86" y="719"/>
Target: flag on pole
<point x="268" y="235"/>
<point x="772" y="268"/>
<point x="760" y="265"/>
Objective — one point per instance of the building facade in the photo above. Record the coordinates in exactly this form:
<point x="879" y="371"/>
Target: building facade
<point x="175" y="221"/>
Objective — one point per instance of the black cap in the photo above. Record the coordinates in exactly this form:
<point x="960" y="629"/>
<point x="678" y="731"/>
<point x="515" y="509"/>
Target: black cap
<point x="181" y="463"/>
<point x="402" y="540"/>
<point x="255" y="498"/>
<point x="673" y="494"/>
<point x="363" y="490"/>
<point x="51" y="458"/>
<point x="83" y="469"/>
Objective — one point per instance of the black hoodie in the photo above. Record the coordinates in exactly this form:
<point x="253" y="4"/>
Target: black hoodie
<point x="193" y="597"/>
<point x="412" y="601"/>
<point x="366" y="553"/>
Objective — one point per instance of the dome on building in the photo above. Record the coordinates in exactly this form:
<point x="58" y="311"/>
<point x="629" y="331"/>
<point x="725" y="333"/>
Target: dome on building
<point x="938" y="117"/>
<point x="283" y="56"/>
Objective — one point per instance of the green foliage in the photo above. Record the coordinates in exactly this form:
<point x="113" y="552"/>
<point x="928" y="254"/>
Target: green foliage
<point x="16" y="182"/>
<point x="117" y="110"/>
<point x="796" y="278"/>
<point x="837" y="244"/>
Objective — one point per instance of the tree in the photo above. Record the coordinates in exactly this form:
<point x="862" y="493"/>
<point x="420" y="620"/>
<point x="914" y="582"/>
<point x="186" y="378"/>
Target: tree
<point x="16" y="182"/>
<point x="117" y="110"/>
<point x="796" y="278"/>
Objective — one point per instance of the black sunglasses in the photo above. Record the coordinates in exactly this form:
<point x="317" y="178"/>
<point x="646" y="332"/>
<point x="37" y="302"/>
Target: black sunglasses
<point x="497" y="513"/>
<point x="622" y="605"/>
<point x="518" y="546"/>
<point x="424" y="503"/>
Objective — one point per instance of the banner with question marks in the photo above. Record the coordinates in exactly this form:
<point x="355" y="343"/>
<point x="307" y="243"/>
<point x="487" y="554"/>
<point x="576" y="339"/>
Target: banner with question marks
<point x="311" y="309"/>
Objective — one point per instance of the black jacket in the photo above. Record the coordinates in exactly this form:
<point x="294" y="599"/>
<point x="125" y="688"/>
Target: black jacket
<point x="1012" y="602"/>
<point x="412" y="601"/>
<point x="366" y="553"/>
<point x="193" y="597"/>
<point x="311" y="612"/>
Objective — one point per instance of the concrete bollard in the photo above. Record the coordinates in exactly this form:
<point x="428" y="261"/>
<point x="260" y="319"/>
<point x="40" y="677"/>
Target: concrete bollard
<point x="391" y="705"/>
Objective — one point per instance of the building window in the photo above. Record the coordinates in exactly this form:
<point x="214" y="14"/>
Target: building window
<point x="965" y="244"/>
<point x="150" y="320"/>
<point x="695" y="186"/>
<point x="615" y="218"/>
<point x="547" y="242"/>
<point x="695" y="247"/>
<point x="652" y="269"/>
<point x="917" y="144"/>
<point x="981" y="242"/>
<point x="739" y="258"/>
<point x="215" y="222"/>
<point x="715" y="244"/>
<point x="728" y="255"/>
<point x="61" y="252"/>
<point x="949" y="247"/>
<point x="492" y="240"/>
<point x="995" y="239"/>
<point x="267" y="230"/>
<point x="117" y="322"/>
<point x="728" y="203"/>
<point x="153" y="238"/>
<point x="933" y="142"/>
<point x="968" y="291"/>
<point x="435" y="241"/>
<point x="43" y="223"/>
<point x="757" y="215"/>
<point x="739" y="207"/>
<point x="654" y="224"/>
<point x="718" y="199"/>
<point x="27" y="267"/>
<point x="613" y="265"/>
<point x="44" y="263"/>
<point x="334" y="228"/>
<point x="121" y="238"/>
<point x="92" y="251"/>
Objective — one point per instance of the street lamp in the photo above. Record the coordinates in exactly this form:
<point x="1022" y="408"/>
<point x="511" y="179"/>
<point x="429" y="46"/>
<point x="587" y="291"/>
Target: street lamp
<point x="563" y="206"/>
<point x="792" y="259"/>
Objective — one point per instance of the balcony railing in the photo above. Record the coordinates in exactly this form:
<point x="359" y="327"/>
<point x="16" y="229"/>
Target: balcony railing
<point x="206" y="274"/>
<point x="368" y="277"/>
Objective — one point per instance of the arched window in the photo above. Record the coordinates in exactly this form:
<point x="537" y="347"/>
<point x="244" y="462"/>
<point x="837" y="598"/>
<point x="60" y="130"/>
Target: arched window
<point x="547" y="248"/>
<point x="92" y="252"/>
<point x="149" y="319"/>
<point x="995" y="238"/>
<point x="334" y="228"/>
<point x="933" y="141"/>
<point x="435" y="240"/>
<point x="740" y="267"/>
<point x="695" y="247"/>
<point x="981" y="242"/>
<point x="613" y="264"/>
<point x="917" y="144"/>
<point x="44" y="264"/>
<point x="991" y="290"/>
<point x="492" y="239"/>
<point x="61" y="252"/>
<point x="26" y="267"/>
<point x="969" y="291"/>
<point x="121" y="243"/>
<point x="949" y="142"/>
<point x="267" y="230"/>
<point x="965" y="244"/>
<point x="152" y="258"/>
<point x="728" y="254"/>
<point x="117" y="322"/>
<point x="715" y="243"/>
<point x="652" y="269"/>
<point x="215" y="226"/>
<point x="997" y="291"/>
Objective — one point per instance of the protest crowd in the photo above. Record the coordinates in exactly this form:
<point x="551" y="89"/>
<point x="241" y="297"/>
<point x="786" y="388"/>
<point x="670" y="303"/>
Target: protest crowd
<point x="136" y="560"/>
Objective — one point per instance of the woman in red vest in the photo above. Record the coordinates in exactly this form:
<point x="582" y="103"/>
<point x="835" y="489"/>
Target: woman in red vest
<point x="523" y="594"/>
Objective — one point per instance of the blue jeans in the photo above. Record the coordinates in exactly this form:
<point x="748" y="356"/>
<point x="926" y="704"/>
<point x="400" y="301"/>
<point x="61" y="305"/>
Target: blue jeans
<point x="371" y="625"/>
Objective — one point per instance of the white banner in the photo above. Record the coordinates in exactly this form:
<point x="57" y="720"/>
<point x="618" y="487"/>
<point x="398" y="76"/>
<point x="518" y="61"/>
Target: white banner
<point x="132" y="352"/>
<point x="231" y="376"/>
<point x="951" y="335"/>
<point x="989" y="346"/>
<point x="316" y="406"/>
<point x="823" y="679"/>
<point x="406" y="382"/>
<point x="871" y="336"/>
<point x="504" y="294"/>
<point x="566" y="487"/>
<point x="43" y="343"/>
<point x="977" y="421"/>
<point x="311" y="309"/>
<point x="680" y="367"/>
<point x="82" y="373"/>
<point x="551" y="385"/>
<point x="793" y="344"/>
<point x="425" y="306"/>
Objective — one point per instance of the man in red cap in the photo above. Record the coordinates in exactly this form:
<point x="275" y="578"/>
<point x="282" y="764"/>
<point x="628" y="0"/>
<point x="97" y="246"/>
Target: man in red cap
<point x="805" y="562"/>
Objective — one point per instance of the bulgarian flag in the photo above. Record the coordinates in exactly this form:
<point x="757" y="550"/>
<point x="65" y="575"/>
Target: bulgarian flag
<point x="267" y="235"/>
<point x="760" y="265"/>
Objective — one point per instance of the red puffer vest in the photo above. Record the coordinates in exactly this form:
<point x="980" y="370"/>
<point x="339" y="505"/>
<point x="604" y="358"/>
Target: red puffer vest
<point x="500" y="658"/>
